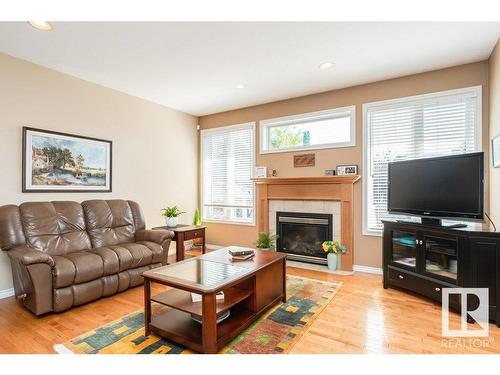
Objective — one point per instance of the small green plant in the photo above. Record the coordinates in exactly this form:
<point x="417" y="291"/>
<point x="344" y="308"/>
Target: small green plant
<point x="171" y="212"/>
<point x="266" y="241"/>
<point x="334" y="247"/>
<point x="197" y="217"/>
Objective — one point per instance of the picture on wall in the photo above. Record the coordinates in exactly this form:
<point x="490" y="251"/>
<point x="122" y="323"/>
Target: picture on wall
<point x="59" y="162"/>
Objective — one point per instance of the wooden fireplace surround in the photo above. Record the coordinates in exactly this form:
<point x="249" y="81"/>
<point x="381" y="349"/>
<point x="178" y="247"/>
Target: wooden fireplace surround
<point x="334" y="188"/>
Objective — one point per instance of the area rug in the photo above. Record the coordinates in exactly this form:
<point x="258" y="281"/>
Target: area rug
<point x="274" y="333"/>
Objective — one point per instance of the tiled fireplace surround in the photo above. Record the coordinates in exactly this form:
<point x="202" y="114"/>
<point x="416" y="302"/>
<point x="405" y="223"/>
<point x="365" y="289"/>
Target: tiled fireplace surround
<point x="306" y="206"/>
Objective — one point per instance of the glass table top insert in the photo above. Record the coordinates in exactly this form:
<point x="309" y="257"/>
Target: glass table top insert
<point x="204" y="272"/>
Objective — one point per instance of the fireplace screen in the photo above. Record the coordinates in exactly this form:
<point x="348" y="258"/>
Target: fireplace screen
<point x="302" y="234"/>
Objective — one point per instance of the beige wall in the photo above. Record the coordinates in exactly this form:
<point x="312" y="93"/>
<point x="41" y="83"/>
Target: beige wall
<point x="494" y="81"/>
<point x="368" y="249"/>
<point x="155" y="149"/>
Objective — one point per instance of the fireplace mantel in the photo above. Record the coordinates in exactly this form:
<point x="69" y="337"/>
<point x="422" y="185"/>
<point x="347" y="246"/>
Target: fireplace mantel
<point x="335" y="188"/>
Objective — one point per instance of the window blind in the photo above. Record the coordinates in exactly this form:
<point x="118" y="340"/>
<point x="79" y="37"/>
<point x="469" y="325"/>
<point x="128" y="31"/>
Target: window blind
<point x="227" y="166"/>
<point x="430" y="125"/>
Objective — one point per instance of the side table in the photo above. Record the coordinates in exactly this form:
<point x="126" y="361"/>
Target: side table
<point x="183" y="232"/>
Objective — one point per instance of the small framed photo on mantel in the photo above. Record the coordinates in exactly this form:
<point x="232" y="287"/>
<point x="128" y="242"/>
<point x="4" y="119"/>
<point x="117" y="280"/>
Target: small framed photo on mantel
<point x="347" y="169"/>
<point x="495" y="150"/>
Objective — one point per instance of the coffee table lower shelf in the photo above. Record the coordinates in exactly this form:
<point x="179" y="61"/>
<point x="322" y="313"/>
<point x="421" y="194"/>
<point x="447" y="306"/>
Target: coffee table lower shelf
<point x="181" y="328"/>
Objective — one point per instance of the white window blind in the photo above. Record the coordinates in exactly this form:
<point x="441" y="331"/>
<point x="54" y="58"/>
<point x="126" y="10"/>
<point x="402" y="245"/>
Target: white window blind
<point x="228" y="155"/>
<point x="437" y="124"/>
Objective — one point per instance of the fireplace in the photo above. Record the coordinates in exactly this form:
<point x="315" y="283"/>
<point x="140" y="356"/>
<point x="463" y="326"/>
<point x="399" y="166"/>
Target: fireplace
<point x="302" y="234"/>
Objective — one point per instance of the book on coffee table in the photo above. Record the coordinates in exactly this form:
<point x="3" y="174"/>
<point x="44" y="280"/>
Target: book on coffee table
<point x="239" y="251"/>
<point x="240" y="258"/>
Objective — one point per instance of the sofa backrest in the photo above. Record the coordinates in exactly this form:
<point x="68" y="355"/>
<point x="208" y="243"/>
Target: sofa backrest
<point x="61" y="227"/>
<point x="112" y="222"/>
<point x="57" y="228"/>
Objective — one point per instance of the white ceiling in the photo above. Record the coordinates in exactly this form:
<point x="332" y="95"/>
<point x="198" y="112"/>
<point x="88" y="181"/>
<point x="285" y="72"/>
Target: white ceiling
<point x="193" y="67"/>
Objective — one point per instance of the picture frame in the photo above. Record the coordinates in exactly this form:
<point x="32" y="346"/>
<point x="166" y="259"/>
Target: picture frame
<point x="61" y="162"/>
<point x="347" y="169"/>
<point x="304" y="160"/>
<point x="495" y="151"/>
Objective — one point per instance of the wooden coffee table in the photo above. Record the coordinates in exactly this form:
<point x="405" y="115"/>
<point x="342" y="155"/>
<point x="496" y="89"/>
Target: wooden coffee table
<point x="250" y="288"/>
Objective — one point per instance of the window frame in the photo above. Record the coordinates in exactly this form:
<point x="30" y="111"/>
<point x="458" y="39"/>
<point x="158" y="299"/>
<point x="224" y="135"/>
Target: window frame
<point x="214" y="130"/>
<point x="474" y="90"/>
<point x="265" y="125"/>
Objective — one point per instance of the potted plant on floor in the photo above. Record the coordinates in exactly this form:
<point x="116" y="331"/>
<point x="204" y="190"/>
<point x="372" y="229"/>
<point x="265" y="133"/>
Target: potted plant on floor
<point x="335" y="250"/>
<point x="266" y="241"/>
<point x="171" y="214"/>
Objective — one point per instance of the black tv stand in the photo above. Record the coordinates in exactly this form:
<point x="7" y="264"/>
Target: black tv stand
<point x="424" y="259"/>
<point x="435" y="223"/>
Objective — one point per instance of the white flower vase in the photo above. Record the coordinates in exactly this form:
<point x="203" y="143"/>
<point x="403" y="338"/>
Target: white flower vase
<point x="339" y="261"/>
<point x="171" y="221"/>
<point x="332" y="260"/>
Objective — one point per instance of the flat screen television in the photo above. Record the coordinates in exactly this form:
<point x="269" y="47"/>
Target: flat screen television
<point x="443" y="187"/>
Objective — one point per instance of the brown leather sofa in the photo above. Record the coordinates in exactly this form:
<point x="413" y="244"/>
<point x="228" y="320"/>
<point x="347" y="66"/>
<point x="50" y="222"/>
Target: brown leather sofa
<point x="65" y="254"/>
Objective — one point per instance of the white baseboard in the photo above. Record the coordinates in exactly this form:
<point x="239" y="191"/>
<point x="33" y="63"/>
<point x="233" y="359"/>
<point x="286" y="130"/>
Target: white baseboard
<point x="366" y="269"/>
<point x="6" y="293"/>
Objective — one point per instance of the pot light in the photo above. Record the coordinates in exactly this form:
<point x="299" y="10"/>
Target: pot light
<point x="240" y="86"/>
<point x="41" y="25"/>
<point x="326" y="65"/>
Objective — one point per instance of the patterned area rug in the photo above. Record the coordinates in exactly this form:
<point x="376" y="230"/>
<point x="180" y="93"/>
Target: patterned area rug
<point x="274" y="333"/>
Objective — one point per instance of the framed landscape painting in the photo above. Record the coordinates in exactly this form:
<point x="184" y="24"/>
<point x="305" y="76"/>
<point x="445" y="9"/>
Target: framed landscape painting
<point x="54" y="162"/>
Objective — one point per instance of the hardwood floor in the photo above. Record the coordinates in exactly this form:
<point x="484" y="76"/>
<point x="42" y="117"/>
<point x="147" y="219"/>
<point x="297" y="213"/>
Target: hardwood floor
<point x="362" y="318"/>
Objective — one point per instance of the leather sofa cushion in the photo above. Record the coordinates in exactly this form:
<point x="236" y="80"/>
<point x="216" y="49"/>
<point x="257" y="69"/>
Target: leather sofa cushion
<point x="133" y="255"/>
<point x="76" y="268"/>
<point x="109" y="222"/>
<point x="57" y="228"/>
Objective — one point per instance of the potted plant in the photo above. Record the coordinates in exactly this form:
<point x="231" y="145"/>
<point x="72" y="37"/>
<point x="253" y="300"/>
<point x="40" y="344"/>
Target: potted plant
<point x="335" y="250"/>
<point x="266" y="241"/>
<point x="171" y="214"/>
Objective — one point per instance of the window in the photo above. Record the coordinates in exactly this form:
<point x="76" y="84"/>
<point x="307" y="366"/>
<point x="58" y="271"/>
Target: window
<point x="227" y="165"/>
<point x="308" y="131"/>
<point x="422" y="126"/>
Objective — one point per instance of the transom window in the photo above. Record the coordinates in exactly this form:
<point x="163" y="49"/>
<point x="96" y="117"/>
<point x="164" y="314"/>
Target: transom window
<point x="438" y="124"/>
<point x="325" y="129"/>
<point x="228" y="160"/>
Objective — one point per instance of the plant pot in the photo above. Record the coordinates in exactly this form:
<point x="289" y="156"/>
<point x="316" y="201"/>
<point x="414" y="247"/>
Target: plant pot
<point x="332" y="260"/>
<point x="263" y="248"/>
<point x="339" y="261"/>
<point x="171" y="221"/>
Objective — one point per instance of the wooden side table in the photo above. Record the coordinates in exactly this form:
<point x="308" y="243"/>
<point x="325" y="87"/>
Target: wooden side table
<point x="183" y="232"/>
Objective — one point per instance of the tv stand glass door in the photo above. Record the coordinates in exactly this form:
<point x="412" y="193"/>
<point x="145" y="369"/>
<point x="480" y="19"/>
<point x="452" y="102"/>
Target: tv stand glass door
<point x="405" y="249"/>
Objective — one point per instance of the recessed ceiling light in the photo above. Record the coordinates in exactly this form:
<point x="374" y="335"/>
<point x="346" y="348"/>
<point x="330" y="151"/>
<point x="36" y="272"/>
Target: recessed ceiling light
<point x="326" y="65"/>
<point x="240" y="86"/>
<point x="41" y="25"/>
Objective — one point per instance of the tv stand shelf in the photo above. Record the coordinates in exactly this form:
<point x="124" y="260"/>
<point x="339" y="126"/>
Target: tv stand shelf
<point x="424" y="258"/>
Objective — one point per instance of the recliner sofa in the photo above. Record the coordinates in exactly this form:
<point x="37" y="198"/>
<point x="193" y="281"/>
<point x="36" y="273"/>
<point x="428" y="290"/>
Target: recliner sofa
<point x="65" y="254"/>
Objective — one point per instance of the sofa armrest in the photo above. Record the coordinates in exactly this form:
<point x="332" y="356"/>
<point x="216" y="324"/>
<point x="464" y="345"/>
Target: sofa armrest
<point x="157" y="235"/>
<point x="27" y="256"/>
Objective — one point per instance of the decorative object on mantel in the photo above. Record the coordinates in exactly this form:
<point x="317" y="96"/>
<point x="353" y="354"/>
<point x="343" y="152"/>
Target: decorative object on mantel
<point x="260" y="172"/>
<point x="304" y="160"/>
<point x="335" y="250"/>
<point x="266" y="241"/>
<point x="60" y="162"/>
<point x="495" y="150"/>
<point x="171" y="214"/>
<point x="347" y="169"/>
<point x="274" y="173"/>
<point x="330" y="172"/>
